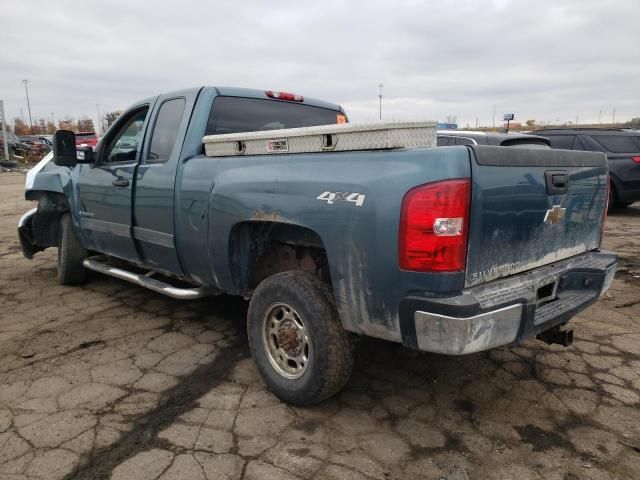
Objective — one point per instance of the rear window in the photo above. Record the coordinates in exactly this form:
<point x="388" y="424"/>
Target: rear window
<point x="86" y="135"/>
<point x="238" y="114"/>
<point x="525" y="143"/>
<point x="618" y="143"/>
<point x="564" y="142"/>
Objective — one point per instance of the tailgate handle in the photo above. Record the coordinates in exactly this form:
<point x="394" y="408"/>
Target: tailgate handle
<point x="557" y="182"/>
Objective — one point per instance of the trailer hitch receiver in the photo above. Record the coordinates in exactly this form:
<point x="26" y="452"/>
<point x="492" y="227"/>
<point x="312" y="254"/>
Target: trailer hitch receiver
<point x="557" y="335"/>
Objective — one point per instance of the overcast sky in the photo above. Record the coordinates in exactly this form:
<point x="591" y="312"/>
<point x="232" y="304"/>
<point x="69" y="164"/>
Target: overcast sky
<point x="541" y="59"/>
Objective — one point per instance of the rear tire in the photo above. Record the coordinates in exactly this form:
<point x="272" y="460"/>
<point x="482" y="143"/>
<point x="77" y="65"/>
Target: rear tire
<point x="614" y="203"/>
<point x="296" y="339"/>
<point x="71" y="253"/>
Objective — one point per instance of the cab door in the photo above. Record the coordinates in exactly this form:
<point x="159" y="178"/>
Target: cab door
<point x="105" y="187"/>
<point x="154" y="215"/>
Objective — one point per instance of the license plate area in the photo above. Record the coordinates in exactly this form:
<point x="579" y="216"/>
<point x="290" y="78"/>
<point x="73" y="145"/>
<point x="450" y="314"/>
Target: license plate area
<point x="547" y="292"/>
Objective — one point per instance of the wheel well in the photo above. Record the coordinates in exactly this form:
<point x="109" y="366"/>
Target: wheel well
<point x="258" y="250"/>
<point x="46" y="221"/>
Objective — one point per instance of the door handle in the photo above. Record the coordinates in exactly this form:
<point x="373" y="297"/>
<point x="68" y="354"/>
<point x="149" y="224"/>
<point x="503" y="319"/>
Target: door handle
<point x="120" y="182"/>
<point x="557" y="182"/>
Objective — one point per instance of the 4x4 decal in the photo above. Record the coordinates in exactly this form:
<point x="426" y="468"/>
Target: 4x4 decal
<point x="350" y="197"/>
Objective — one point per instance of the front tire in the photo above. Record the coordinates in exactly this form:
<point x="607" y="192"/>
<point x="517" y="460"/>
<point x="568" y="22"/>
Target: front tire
<point x="71" y="253"/>
<point x="296" y="339"/>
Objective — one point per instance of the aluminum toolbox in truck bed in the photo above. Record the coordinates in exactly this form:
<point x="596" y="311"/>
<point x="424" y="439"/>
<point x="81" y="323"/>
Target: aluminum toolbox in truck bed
<point x="323" y="138"/>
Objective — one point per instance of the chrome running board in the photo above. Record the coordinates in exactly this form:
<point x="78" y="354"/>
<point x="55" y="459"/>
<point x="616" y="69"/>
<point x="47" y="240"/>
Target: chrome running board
<point x="97" y="264"/>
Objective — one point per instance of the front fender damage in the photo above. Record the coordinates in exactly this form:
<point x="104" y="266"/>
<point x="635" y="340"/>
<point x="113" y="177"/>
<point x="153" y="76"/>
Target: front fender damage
<point x="39" y="228"/>
<point x="25" y="235"/>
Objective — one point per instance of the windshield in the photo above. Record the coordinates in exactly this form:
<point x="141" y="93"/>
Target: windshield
<point x="238" y="114"/>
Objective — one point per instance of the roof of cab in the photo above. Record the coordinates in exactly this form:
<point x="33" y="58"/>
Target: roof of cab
<point x="243" y="92"/>
<point x="255" y="93"/>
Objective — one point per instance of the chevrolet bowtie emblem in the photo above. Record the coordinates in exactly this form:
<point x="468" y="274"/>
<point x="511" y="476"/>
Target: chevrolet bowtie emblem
<point x="554" y="215"/>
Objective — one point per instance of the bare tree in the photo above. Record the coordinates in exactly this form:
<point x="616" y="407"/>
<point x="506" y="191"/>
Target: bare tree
<point x="20" y="127"/>
<point x="111" y="117"/>
<point x="68" y="123"/>
<point x="85" y="125"/>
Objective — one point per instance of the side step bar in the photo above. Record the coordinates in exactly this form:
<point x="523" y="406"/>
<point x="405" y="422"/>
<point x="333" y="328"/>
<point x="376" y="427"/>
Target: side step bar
<point x="96" y="264"/>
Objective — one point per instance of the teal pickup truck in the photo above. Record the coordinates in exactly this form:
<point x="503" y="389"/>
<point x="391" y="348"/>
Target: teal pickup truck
<point x="453" y="250"/>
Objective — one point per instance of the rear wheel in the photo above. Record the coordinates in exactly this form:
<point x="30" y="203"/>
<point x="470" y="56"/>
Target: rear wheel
<point x="71" y="253"/>
<point x="614" y="203"/>
<point x="296" y="339"/>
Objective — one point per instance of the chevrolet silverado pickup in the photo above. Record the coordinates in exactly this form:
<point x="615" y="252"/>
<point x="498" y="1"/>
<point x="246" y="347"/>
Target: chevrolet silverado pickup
<point x="452" y="249"/>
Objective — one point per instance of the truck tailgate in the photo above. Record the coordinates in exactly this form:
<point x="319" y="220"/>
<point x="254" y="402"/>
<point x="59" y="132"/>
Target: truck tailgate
<point x="532" y="207"/>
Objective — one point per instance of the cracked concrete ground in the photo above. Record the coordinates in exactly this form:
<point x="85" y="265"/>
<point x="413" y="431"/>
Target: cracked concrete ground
<point x="113" y="381"/>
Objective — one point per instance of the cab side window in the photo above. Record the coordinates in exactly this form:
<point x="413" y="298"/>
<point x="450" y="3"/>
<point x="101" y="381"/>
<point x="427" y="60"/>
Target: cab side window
<point x="123" y="146"/>
<point x="165" y="131"/>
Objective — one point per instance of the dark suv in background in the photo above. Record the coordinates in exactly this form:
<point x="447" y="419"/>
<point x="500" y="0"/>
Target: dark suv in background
<point x="622" y="147"/>
<point x="511" y="139"/>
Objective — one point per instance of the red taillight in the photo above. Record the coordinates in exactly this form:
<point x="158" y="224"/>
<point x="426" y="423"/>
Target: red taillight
<point x="284" y="96"/>
<point x="434" y="227"/>
<point x="636" y="159"/>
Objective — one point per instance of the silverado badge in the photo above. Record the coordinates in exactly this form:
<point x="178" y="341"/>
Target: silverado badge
<point x="554" y="215"/>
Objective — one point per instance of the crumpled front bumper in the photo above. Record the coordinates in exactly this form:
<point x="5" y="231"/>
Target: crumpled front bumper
<point x="507" y="310"/>
<point x="25" y="234"/>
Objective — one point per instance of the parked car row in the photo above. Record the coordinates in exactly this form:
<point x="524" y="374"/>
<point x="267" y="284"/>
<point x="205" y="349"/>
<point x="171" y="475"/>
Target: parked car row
<point x="25" y="145"/>
<point x="621" y="145"/>
<point x="16" y="146"/>
<point x="36" y="146"/>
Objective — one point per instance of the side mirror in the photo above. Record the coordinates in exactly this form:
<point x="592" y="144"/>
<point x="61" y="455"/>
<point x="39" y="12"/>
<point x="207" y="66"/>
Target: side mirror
<point x="64" y="148"/>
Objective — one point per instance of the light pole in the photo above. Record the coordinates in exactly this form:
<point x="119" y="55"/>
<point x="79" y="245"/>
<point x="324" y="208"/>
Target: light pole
<point x="380" y="86"/>
<point x="26" y="89"/>
<point x="4" y="131"/>
<point x="97" y="127"/>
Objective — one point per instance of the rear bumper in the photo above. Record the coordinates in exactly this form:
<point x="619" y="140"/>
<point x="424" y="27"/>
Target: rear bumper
<point x="507" y="310"/>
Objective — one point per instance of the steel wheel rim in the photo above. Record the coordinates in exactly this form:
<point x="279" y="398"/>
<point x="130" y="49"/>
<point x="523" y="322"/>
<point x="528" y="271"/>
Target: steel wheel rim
<point x="286" y="340"/>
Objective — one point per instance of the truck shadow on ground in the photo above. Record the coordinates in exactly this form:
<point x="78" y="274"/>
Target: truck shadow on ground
<point x="456" y="409"/>
<point x="631" y="211"/>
